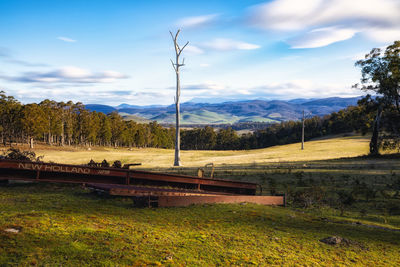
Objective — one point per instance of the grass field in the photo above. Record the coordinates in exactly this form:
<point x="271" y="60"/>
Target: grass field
<point x="67" y="225"/>
<point x="338" y="147"/>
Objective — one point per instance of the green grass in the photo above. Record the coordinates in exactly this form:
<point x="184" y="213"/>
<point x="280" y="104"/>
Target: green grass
<point x="66" y="225"/>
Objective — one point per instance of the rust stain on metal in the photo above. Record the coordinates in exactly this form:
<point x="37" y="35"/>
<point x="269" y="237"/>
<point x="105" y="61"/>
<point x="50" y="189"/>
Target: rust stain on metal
<point x="186" y="190"/>
<point x="87" y="174"/>
<point x="174" y="201"/>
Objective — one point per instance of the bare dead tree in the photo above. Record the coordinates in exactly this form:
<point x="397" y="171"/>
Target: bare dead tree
<point x="176" y="65"/>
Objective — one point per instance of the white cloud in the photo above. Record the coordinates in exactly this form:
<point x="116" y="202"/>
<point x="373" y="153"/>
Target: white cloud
<point x="376" y="19"/>
<point x="197" y="21"/>
<point x="321" y="37"/>
<point x="221" y="44"/>
<point x="303" y="89"/>
<point x="383" y="35"/>
<point x="277" y="90"/>
<point x="7" y="57"/>
<point x="67" y="75"/>
<point x="283" y="14"/>
<point x="66" y="39"/>
<point x="208" y="86"/>
<point x="191" y="49"/>
<point x="204" y="65"/>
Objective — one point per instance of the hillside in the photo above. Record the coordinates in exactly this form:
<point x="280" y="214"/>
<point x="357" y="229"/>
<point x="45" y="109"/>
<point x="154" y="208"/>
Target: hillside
<point x="234" y="111"/>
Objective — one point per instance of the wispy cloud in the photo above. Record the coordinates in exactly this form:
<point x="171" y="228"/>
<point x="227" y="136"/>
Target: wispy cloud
<point x="66" y="75"/>
<point x="197" y="21"/>
<point x="321" y="37"/>
<point x="208" y="86"/>
<point x="204" y="65"/>
<point x="66" y="39"/>
<point x="192" y="49"/>
<point x="7" y="57"/>
<point x="340" y="19"/>
<point x="221" y="44"/>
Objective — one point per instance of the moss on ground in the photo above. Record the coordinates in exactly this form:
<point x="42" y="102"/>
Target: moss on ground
<point x="67" y="225"/>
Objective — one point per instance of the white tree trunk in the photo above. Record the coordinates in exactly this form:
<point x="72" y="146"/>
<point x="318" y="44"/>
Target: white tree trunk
<point x="176" y="66"/>
<point x="177" y="161"/>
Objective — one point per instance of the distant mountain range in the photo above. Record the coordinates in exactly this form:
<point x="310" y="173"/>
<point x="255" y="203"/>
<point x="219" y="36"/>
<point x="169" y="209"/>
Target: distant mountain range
<point x="232" y="111"/>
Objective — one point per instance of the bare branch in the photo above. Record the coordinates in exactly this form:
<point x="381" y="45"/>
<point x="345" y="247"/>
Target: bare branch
<point x="174" y="39"/>
<point x="185" y="46"/>
<point x="180" y="50"/>
<point x="173" y="65"/>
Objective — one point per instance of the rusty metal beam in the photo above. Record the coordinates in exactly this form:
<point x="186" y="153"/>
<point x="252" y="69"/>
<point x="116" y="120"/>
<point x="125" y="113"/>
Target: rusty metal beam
<point x="130" y="190"/>
<point x="52" y="172"/>
<point x="177" y="201"/>
<point x="165" y="197"/>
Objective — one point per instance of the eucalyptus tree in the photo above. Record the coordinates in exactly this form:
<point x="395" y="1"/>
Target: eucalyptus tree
<point x="34" y="122"/>
<point x="10" y="113"/>
<point x="380" y="72"/>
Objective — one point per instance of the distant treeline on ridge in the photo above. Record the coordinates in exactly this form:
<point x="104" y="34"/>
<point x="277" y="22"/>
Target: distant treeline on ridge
<point x="59" y="123"/>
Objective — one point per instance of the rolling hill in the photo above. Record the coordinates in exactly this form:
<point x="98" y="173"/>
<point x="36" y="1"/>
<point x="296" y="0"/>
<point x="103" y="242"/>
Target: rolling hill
<point x="232" y="111"/>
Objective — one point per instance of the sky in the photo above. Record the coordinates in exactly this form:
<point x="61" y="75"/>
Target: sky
<point x="113" y="52"/>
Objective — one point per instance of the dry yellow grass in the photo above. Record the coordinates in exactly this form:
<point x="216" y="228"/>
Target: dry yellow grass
<point x="338" y="147"/>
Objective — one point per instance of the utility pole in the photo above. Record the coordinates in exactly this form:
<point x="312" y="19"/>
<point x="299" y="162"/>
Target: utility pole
<point x="302" y="133"/>
<point x="176" y="65"/>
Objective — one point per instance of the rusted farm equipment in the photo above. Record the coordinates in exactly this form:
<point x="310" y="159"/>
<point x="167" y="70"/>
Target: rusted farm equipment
<point x="156" y="189"/>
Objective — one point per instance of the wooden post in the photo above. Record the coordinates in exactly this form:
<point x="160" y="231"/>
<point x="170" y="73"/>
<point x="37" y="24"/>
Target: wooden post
<point x="302" y="133"/>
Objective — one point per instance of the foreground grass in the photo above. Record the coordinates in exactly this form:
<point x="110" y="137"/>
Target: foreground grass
<point x="66" y="225"/>
<point x="350" y="146"/>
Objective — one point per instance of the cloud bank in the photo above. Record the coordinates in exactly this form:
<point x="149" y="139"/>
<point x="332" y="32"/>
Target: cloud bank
<point x="66" y="75"/>
<point x="323" y="22"/>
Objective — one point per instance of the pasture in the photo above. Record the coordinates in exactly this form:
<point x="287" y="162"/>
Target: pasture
<point x="339" y="147"/>
<point x="333" y="190"/>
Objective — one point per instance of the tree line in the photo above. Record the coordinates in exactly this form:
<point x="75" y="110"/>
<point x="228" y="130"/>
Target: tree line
<point x="352" y="119"/>
<point x="59" y="123"/>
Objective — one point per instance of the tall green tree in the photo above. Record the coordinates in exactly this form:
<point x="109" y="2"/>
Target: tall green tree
<point x="380" y="71"/>
<point x="34" y="122"/>
<point x="10" y="117"/>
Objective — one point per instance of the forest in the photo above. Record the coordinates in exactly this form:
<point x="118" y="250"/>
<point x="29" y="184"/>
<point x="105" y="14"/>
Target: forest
<point x="59" y="123"/>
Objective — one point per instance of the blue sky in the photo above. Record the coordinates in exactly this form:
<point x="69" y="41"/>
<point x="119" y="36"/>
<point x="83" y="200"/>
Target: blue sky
<point x="114" y="52"/>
